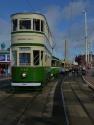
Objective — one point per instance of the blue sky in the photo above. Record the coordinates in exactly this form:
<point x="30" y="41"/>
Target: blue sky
<point x="65" y="18"/>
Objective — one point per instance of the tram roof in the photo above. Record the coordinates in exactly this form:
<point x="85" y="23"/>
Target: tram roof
<point x="27" y="13"/>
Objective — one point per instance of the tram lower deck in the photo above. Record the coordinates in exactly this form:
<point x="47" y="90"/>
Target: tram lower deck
<point x="30" y="76"/>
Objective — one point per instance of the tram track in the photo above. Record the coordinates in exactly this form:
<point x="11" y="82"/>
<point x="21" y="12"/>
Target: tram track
<point x="79" y="101"/>
<point x="11" y="101"/>
<point x="20" y="116"/>
<point x="14" y="108"/>
<point x="82" y="105"/>
<point x="20" y="108"/>
<point x="39" y="111"/>
<point x="5" y="92"/>
<point x="33" y="106"/>
<point x="59" y="109"/>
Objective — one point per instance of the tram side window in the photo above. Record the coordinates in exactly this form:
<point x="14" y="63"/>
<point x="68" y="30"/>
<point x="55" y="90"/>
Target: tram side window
<point x="25" y="24"/>
<point x="14" y="24"/>
<point x="42" y="57"/>
<point x="36" y="24"/>
<point x="42" y="25"/>
<point x="53" y="63"/>
<point x="24" y="58"/>
<point x="36" y="56"/>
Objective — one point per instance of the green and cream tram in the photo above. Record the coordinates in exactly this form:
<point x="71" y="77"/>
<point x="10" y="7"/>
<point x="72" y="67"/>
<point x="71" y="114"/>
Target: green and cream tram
<point x="31" y="49"/>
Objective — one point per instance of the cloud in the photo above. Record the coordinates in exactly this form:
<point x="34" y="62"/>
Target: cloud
<point x="73" y="9"/>
<point x="57" y="17"/>
<point x="74" y="31"/>
<point x="4" y="32"/>
<point x="53" y="16"/>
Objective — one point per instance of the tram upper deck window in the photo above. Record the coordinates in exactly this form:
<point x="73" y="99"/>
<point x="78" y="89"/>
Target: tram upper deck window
<point x="14" y="24"/>
<point x="36" y="24"/>
<point x="24" y="58"/>
<point x="25" y="24"/>
<point x="42" y="25"/>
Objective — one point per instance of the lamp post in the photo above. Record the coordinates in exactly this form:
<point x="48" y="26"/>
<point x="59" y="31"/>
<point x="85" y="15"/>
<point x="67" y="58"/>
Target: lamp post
<point x="86" y="41"/>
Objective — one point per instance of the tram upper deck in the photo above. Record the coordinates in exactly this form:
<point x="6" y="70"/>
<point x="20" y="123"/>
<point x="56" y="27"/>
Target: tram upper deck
<point x="30" y="28"/>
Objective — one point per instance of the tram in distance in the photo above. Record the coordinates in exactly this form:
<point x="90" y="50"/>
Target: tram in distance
<point x="56" y="67"/>
<point x="31" y="47"/>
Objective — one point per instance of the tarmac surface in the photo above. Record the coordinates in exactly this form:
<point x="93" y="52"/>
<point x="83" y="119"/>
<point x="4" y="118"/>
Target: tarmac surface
<point x="89" y="78"/>
<point x="20" y="107"/>
<point x="79" y="101"/>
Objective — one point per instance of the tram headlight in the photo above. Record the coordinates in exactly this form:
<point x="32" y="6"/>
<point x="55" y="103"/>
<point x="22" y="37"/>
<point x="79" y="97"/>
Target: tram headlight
<point x="23" y="75"/>
<point x="51" y="74"/>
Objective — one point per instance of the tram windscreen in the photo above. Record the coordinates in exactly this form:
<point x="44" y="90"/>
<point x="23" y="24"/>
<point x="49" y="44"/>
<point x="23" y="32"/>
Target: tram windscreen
<point x="24" y="58"/>
<point x="25" y="24"/>
<point x="14" y="24"/>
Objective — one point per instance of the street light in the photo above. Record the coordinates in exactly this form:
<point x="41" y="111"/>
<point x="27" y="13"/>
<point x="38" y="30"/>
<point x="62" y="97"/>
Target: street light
<point x="86" y="42"/>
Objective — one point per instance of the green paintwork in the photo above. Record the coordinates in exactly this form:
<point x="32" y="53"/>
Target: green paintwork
<point x="27" y="44"/>
<point x="55" y="70"/>
<point x="34" y="74"/>
<point x="27" y="32"/>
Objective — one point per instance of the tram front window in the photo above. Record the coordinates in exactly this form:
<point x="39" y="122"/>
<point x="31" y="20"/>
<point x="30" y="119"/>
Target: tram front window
<point x="24" y="58"/>
<point x="36" y="24"/>
<point x="42" y="26"/>
<point x="14" y="22"/>
<point x="25" y="24"/>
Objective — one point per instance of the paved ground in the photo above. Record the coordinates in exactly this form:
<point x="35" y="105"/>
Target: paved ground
<point x="79" y="101"/>
<point x="89" y="77"/>
<point x="5" y="77"/>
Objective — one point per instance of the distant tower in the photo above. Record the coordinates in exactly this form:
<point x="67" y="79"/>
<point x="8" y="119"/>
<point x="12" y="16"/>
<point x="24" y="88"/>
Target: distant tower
<point x="86" y="40"/>
<point x="65" y="53"/>
<point x="3" y="46"/>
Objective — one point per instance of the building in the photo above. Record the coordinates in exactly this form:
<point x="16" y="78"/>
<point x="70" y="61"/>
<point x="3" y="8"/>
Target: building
<point x="5" y="62"/>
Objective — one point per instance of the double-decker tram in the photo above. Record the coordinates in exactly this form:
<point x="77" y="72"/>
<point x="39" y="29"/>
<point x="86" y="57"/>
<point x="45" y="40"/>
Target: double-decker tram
<point x="56" y="66"/>
<point x="31" y="49"/>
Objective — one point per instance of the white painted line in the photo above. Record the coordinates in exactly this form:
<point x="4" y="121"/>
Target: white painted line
<point x="25" y="84"/>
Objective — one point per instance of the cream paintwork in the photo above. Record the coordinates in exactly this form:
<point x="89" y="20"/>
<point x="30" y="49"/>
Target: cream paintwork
<point x="38" y="38"/>
<point x="28" y="38"/>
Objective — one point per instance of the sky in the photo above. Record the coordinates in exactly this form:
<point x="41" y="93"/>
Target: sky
<point x="65" y="19"/>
